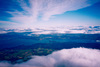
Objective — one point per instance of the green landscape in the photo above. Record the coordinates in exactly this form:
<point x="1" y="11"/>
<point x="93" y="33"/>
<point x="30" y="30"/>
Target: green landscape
<point x="17" y="56"/>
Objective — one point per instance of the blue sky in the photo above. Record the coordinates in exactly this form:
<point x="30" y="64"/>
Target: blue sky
<point x="36" y="13"/>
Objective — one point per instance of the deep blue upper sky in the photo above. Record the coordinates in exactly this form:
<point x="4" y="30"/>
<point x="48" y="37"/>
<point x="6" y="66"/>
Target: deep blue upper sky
<point x="33" y="13"/>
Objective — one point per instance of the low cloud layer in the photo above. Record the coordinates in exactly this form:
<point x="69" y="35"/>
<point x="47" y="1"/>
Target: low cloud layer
<point x="54" y="30"/>
<point x="75" y="57"/>
<point x="45" y="9"/>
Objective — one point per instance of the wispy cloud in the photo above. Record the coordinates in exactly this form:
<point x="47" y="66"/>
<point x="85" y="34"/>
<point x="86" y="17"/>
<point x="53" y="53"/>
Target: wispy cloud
<point x="7" y="22"/>
<point x="75" y="57"/>
<point x="45" y="9"/>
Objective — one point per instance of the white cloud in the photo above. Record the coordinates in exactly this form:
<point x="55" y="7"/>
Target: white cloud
<point x="54" y="30"/>
<point x="5" y="64"/>
<point x="77" y="31"/>
<point x="7" y="22"/>
<point x="3" y="32"/>
<point x="95" y="32"/>
<point x="46" y="9"/>
<point x="75" y="57"/>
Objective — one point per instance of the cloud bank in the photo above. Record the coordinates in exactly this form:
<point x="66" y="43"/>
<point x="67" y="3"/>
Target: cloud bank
<point x="56" y="30"/>
<point x="46" y="9"/>
<point x="75" y="57"/>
